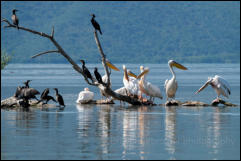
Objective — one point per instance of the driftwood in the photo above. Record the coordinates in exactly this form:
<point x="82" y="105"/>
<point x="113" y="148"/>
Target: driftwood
<point x="198" y="103"/>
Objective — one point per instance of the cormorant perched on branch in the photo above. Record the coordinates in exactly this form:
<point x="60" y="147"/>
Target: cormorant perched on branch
<point x="27" y="83"/>
<point x="86" y="71"/>
<point x="98" y="76"/>
<point x="59" y="98"/>
<point x="95" y="23"/>
<point x="15" y="18"/>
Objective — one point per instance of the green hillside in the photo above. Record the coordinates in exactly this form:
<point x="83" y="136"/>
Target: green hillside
<point x="133" y="32"/>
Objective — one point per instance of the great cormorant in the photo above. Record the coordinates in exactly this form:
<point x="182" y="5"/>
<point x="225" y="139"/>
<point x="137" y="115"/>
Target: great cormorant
<point x="59" y="98"/>
<point x="46" y="97"/>
<point x="44" y="93"/>
<point x="86" y="71"/>
<point x="98" y="76"/>
<point x="26" y="93"/>
<point x="95" y="23"/>
<point x="15" y="18"/>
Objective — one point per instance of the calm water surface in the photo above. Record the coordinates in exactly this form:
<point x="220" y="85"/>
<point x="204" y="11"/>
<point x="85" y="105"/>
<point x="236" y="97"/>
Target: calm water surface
<point x="121" y="132"/>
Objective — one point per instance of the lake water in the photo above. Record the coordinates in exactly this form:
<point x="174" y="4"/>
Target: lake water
<point x="121" y="132"/>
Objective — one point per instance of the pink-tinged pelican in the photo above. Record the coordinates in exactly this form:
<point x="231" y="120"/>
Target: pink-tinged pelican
<point x="220" y="85"/>
<point x="148" y="88"/>
<point x="130" y="83"/>
<point x="171" y="85"/>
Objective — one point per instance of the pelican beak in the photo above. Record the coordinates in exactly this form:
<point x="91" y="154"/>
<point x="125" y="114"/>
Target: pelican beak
<point x="110" y="65"/>
<point x="143" y="73"/>
<point x="131" y="74"/>
<point x="204" y="86"/>
<point x="179" y="66"/>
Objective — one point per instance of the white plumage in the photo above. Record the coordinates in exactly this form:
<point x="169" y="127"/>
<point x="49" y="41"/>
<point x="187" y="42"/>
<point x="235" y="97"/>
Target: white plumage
<point x="171" y="85"/>
<point x="148" y="88"/>
<point x="219" y="84"/>
<point x="130" y="83"/>
<point x="85" y="96"/>
<point x="121" y="91"/>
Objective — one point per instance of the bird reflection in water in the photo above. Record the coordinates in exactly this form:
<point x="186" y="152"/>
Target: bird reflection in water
<point x="170" y="129"/>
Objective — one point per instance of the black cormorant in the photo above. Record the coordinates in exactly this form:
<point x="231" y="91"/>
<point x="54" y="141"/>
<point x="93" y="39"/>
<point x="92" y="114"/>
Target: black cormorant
<point x="95" y="23"/>
<point x="44" y="93"/>
<point x="59" y="98"/>
<point x="26" y="93"/>
<point x="98" y="76"/>
<point x="27" y="83"/>
<point x="46" y="97"/>
<point x="15" y="18"/>
<point x="86" y="71"/>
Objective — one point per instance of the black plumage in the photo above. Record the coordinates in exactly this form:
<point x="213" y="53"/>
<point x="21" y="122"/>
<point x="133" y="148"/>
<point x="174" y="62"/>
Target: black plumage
<point x="59" y="98"/>
<point x="86" y="71"/>
<point x="45" y="97"/>
<point x="95" y="23"/>
<point x="26" y="93"/>
<point x="48" y="98"/>
<point x="15" y="18"/>
<point x="27" y="83"/>
<point x="44" y="93"/>
<point x="98" y="76"/>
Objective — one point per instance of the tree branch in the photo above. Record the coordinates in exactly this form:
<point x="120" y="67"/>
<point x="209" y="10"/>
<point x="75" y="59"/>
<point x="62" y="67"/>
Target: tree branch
<point x="60" y="50"/>
<point x="51" y="51"/>
<point x="103" y="58"/>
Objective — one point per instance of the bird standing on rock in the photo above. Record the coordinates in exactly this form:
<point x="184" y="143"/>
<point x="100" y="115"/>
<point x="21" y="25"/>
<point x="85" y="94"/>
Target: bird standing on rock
<point x="59" y="98"/>
<point x="46" y="97"/>
<point x="27" y="83"/>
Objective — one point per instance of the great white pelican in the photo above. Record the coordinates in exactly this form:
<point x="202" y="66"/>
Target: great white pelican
<point x="220" y="85"/>
<point x="130" y="83"/>
<point x="171" y="85"/>
<point x="148" y="88"/>
<point x="85" y="96"/>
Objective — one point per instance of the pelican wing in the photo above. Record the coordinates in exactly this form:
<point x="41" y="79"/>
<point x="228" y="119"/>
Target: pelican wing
<point x="121" y="91"/>
<point x="153" y="90"/>
<point x="165" y="85"/>
<point x="133" y="86"/>
<point x="222" y="83"/>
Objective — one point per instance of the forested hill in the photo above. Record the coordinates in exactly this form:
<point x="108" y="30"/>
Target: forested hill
<point x="133" y="32"/>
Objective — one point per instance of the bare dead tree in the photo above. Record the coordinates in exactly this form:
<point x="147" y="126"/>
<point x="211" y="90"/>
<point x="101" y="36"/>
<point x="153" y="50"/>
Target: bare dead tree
<point x="105" y="88"/>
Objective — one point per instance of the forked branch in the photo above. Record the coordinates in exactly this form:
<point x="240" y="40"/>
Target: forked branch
<point x="105" y="88"/>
